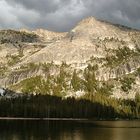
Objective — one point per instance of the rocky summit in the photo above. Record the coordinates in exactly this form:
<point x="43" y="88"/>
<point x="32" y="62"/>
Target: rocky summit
<point x="95" y="56"/>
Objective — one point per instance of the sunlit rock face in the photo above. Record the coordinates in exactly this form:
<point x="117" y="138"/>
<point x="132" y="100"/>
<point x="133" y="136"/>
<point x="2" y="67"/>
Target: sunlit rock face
<point x="114" y="49"/>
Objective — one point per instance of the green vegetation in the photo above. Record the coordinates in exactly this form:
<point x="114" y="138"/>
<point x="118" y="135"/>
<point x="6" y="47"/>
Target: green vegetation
<point x="16" y="37"/>
<point x="50" y="85"/>
<point x="123" y="108"/>
<point x="3" y="69"/>
<point x="63" y="81"/>
<point x="96" y="103"/>
<point x="13" y="59"/>
<point x="76" y="81"/>
<point x="34" y="85"/>
<point x="137" y="72"/>
<point x="121" y="56"/>
<point x="90" y="82"/>
<point x="127" y="83"/>
<point x="106" y="89"/>
<point x="94" y="106"/>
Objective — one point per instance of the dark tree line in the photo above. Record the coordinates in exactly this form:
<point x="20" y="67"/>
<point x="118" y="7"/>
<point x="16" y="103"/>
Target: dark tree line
<point x="89" y="106"/>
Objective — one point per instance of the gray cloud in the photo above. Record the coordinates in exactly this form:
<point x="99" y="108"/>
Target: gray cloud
<point x="62" y="15"/>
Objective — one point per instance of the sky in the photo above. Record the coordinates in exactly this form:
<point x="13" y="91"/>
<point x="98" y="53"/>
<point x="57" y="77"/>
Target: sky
<point x="63" y="15"/>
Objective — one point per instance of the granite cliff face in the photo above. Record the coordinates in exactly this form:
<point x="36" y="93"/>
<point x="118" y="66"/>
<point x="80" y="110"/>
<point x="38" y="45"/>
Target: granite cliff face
<point x="113" y="49"/>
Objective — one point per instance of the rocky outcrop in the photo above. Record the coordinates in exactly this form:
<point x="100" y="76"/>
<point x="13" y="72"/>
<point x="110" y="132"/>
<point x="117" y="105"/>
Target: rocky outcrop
<point x="104" y="73"/>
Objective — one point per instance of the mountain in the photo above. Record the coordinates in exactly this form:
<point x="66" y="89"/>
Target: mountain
<point x="94" y="57"/>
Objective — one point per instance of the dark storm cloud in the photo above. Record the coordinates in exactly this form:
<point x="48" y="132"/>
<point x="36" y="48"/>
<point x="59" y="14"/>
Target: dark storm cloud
<point x="42" y="6"/>
<point x="62" y="15"/>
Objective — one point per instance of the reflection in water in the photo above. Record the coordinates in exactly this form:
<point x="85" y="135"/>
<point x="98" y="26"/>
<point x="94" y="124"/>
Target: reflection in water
<point x="69" y="130"/>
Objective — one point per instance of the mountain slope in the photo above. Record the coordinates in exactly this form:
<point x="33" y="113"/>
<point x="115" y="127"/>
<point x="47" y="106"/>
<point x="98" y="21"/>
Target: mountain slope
<point x="89" y="38"/>
<point x="108" y="53"/>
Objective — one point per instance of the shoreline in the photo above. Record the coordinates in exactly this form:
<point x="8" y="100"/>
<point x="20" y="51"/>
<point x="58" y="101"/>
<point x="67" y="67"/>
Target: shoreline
<point x="63" y="119"/>
<point x="44" y="119"/>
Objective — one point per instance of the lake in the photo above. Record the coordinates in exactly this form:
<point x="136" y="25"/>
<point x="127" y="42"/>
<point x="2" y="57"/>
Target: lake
<point x="69" y="130"/>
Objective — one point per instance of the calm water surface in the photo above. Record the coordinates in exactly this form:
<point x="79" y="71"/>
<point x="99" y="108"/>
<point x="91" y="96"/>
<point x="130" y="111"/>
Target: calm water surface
<point x="69" y="130"/>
